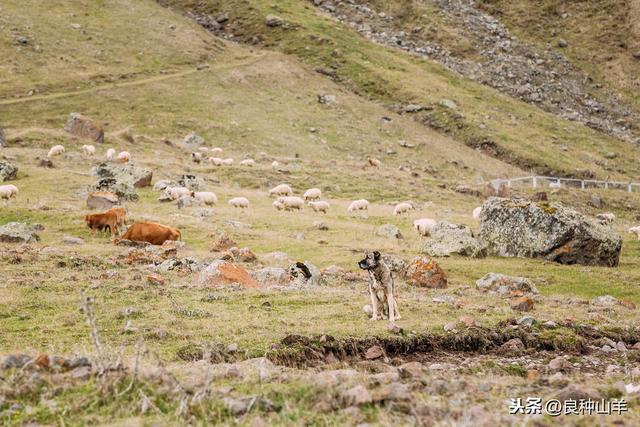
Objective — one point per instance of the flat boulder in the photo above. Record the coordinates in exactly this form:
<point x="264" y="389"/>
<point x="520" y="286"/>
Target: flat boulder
<point x="523" y="228"/>
<point x="137" y="176"/>
<point x="389" y="230"/>
<point x="83" y="127"/>
<point x="102" y="200"/>
<point x="223" y="273"/>
<point x="19" y="232"/>
<point x="503" y="285"/>
<point x="8" y="171"/>
<point x="424" y="272"/>
<point x="452" y="239"/>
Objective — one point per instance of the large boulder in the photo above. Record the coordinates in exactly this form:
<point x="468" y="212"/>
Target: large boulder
<point x="102" y="200"/>
<point x="19" y="232"/>
<point x="122" y="179"/>
<point x="124" y="189"/>
<point x="452" y="239"/>
<point x="424" y="272"/>
<point x="192" y="182"/>
<point x="522" y="228"/>
<point x="224" y="273"/>
<point x="389" y="230"/>
<point x="83" y="127"/>
<point x="8" y="171"/>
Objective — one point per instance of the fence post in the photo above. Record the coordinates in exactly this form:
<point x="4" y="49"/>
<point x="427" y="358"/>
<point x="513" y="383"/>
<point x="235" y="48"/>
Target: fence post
<point x="629" y="188"/>
<point x="606" y="185"/>
<point x="509" y="183"/>
<point x="535" y="182"/>
<point x="582" y="183"/>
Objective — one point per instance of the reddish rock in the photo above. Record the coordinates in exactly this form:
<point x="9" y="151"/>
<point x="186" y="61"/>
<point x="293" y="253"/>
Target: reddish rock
<point x="222" y="243"/>
<point x="533" y="375"/>
<point x="222" y="273"/>
<point x="468" y="321"/>
<point x="627" y="304"/>
<point x="42" y="361"/>
<point x="540" y="197"/>
<point x="374" y="352"/>
<point x="411" y="370"/>
<point x="155" y="279"/>
<point x="246" y="255"/>
<point x="522" y="304"/>
<point x="424" y="272"/>
<point x="83" y="127"/>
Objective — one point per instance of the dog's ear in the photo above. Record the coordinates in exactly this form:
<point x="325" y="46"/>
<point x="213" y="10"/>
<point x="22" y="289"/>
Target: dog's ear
<point x="376" y="255"/>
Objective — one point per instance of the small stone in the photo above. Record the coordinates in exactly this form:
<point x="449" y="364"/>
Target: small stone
<point x="42" y="361"/>
<point x="321" y="225"/>
<point x="15" y="361"/>
<point x="392" y="392"/>
<point x="395" y="329"/>
<point x="273" y="21"/>
<point x="562" y="43"/>
<point x="636" y="346"/>
<point x="374" y="352"/>
<point x="232" y="348"/>
<point x="621" y="346"/>
<point x="82" y="373"/>
<point x="71" y="240"/>
<point x="411" y="370"/>
<point x="533" y="374"/>
<point x="514" y="345"/>
<point x="627" y="304"/>
<point x="560" y="364"/>
<point x="356" y="396"/>
<point x="604" y="301"/>
<point x="468" y="321"/>
<point x="155" y="279"/>
<point x="526" y="321"/>
<point x="449" y="327"/>
<point x="522" y="304"/>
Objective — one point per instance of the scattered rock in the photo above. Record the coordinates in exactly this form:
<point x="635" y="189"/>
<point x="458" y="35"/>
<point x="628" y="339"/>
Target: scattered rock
<point x="155" y="279"/>
<point x="271" y="276"/>
<point x="504" y="285"/>
<point x="187" y="202"/>
<point x="137" y="176"/>
<point x="222" y="243"/>
<point x="222" y="273"/>
<point x="102" y="200"/>
<point x="71" y="240"/>
<point x="273" y="21"/>
<point x="191" y="182"/>
<point x="514" y="345"/>
<point x="627" y="304"/>
<point x="425" y="272"/>
<point x="447" y="103"/>
<point x="412" y="370"/>
<point x="321" y="225"/>
<point x="8" y="171"/>
<point x="45" y="163"/>
<point x="14" y="361"/>
<point x="449" y="327"/>
<point x="389" y="230"/>
<point x="560" y="364"/>
<point x="452" y="239"/>
<point x="392" y="392"/>
<point x="246" y="255"/>
<point x="395" y="263"/>
<point x="540" y="196"/>
<point x="356" y="396"/>
<point x="468" y="321"/>
<point x="522" y="304"/>
<point x="562" y="43"/>
<point x="595" y="201"/>
<point x="327" y="99"/>
<point x="374" y="352"/>
<point x="521" y="228"/>
<point x="526" y="321"/>
<point x="604" y="301"/>
<point x="19" y="232"/>
<point x="463" y="189"/>
<point x="83" y="127"/>
<point x="193" y="139"/>
<point x="81" y="373"/>
<point x="162" y="184"/>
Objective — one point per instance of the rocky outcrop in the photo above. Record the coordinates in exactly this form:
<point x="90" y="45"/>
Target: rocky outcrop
<point x="8" y="171"/>
<point x="452" y="239"/>
<point x="522" y="228"/>
<point x="19" y="232"/>
<point x="122" y="179"/>
<point x="83" y="127"/>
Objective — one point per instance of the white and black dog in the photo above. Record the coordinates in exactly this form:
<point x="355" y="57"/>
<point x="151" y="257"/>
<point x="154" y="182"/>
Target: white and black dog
<point x="381" y="288"/>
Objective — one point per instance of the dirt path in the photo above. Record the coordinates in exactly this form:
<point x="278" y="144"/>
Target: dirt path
<point x="130" y="83"/>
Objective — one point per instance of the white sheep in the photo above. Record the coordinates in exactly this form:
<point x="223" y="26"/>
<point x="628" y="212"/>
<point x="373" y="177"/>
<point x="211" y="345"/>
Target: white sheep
<point x="281" y="190"/>
<point x="358" y="205"/>
<point x="312" y="194"/>
<point x="216" y="150"/>
<point x="476" y="212"/>
<point x="175" y="193"/>
<point x="206" y="197"/>
<point x="123" y="157"/>
<point x="239" y="202"/>
<point x="373" y="162"/>
<point x="424" y="226"/>
<point x="635" y="230"/>
<point x="89" y="150"/>
<point x="111" y="154"/>
<point x="216" y="161"/>
<point x="319" y="206"/>
<point x="227" y="161"/>
<point x="291" y="202"/>
<point x="8" y="191"/>
<point x="203" y="149"/>
<point x="248" y="162"/>
<point x="56" y="150"/>
<point x="606" y="218"/>
<point x="278" y="205"/>
<point x="196" y="157"/>
<point x="401" y="208"/>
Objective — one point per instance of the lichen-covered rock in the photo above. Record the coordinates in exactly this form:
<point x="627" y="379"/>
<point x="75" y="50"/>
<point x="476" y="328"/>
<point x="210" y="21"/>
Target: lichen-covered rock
<point x="8" y="171"/>
<point x="102" y="200"/>
<point x="19" y="232"/>
<point x="452" y="239"/>
<point x="424" y="272"/>
<point x="504" y="285"/>
<point x="83" y="127"/>
<point x="137" y="176"/>
<point x="389" y="230"/>
<point x="192" y="182"/>
<point x="522" y="228"/>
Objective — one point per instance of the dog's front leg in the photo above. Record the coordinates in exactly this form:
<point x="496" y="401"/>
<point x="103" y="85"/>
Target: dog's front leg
<point x="392" y="307"/>
<point x="374" y="303"/>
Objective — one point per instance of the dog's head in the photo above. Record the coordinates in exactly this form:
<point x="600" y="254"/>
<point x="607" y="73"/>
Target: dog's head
<point x="299" y="269"/>
<point x="370" y="261"/>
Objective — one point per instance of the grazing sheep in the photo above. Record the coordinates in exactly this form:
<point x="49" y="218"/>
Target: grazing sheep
<point x="358" y="205"/>
<point x="239" y="202"/>
<point x="402" y="208"/>
<point x="635" y="230"/>
<point x="373" y="162"/>
<point x="206" y="197"/>
<point x="111" y="154"/>
<point x="175" y="193"/>
<point x="290" y="203"/>
<point x="56" y="150"/>
<point x="8" y="191"/>
<point x="320" y="206"/>
<point x="278" y="205"/>
<point x="123" y="157"/>
<point x="424" y="226"/>
<point x="203" y="149"/>
<point x="476" y="212"/>
<point x="196" y="157"/>
<point x="88" y="150"/>
<point x="216" y="150"/>
<point x="606" y="218"/>
<point x="248" y="162"/>
<point x="227" y="162"/>
<point x="312" y="194"/>
<point x="281" y="190"/>
<point x="216" y="161"/>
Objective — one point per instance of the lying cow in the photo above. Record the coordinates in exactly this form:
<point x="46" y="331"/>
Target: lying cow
<point x="151" y="232"/>
<point x="102" y="221"/>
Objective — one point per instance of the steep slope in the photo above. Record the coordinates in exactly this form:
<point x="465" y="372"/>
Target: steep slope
<point x="479" y="116"/>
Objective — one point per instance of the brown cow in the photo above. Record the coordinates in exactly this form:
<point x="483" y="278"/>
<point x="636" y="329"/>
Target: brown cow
<point x="121" y="215"/>
<point x="151" y="232"/>
<point x="101" y="221"/>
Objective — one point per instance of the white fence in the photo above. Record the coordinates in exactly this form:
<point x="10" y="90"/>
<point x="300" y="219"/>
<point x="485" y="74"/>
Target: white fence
<point x="555" y="182"/>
